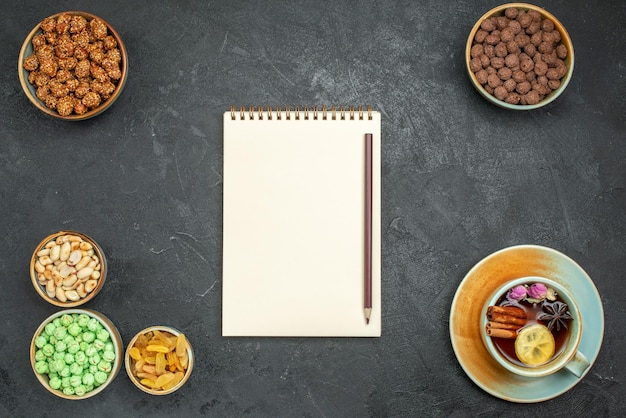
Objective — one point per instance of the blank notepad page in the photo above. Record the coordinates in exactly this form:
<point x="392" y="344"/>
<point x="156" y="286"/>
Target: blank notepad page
<point x="293" y="243"/>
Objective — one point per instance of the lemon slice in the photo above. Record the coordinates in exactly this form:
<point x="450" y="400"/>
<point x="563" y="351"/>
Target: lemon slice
<point x="534" y="345"/>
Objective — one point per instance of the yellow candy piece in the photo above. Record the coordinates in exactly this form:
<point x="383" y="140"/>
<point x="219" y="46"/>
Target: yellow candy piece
<point x="134" y="353"/>
<point x="149" y="383"/>
<point x="178" y="376"/>
<point x="164" y="379"/>
<point x="158" y="348"/>
<point x="171" y="358"/>
<point x="181" y="345"/>
<point x="160" y="363"/>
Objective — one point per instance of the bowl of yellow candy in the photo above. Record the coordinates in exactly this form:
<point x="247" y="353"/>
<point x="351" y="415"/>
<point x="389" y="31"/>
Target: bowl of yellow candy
<point x="159" y="360"/>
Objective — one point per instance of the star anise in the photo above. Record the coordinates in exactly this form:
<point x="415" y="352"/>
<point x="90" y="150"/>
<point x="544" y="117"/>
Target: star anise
<point x="556" y="314"/>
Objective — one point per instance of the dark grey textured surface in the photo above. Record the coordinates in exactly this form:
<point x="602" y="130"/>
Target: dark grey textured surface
<point x="461" y="179"/>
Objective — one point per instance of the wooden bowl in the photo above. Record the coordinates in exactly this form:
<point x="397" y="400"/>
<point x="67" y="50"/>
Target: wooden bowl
<point x="130" y="363"/>
<point x="115" y="339"/>
<point x="31" y="91"/>
<point x="565" y="40"/>
<point x="40" y="283"/>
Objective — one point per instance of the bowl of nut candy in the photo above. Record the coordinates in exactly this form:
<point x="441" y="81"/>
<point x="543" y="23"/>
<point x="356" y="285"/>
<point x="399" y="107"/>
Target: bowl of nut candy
<point x="68" y="269"/>
<point x="519" y="56"/>
<point x="73" y="65"/>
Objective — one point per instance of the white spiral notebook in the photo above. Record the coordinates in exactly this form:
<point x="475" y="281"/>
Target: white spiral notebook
<point x="294" y="222"/>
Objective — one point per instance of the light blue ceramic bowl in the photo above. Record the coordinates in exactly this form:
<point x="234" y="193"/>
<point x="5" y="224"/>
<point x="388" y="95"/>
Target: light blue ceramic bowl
<point x="565" y="39"/>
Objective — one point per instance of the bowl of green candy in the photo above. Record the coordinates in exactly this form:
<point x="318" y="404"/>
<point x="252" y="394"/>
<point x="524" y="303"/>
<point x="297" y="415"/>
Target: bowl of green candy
<point x="76" y="353"/>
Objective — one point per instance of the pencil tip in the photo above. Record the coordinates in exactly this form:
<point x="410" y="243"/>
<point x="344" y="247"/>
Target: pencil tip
<point x="367" y="321"/>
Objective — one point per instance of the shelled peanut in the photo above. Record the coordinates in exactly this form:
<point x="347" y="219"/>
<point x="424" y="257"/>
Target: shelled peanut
<point x="68" y="268"/>
<point x="159" y="359"/>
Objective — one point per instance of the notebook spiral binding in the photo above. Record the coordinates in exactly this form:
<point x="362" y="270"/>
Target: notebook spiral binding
<point x="261" y="113"/>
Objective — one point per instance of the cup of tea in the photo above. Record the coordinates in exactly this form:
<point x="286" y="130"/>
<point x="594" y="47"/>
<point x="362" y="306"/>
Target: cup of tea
<point x="532" y="327"/>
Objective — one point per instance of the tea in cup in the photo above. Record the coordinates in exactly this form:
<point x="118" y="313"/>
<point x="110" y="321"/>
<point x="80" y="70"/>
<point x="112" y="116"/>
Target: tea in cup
<point x="532" y="327"/>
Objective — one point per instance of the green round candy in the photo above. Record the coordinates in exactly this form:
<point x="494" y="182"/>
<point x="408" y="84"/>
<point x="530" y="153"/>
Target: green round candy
<point x="52" y="340"/>
<point x="68" y="358"/>
<point x="69" y="339"/>
<point x="88" y="388"/>
<point x="64" y="371"/>
<point x="49" y="328"/>
<point x="60" y="346"/>
<point x="76" y="369"/>
<point x="60" y="333"/>
<point x="65" y="382"/>
<point x="75" y="381"/>
<point x="88" y="379"/>
<point x="83" y="346"/>
<point x="41" y="341"/>
<point x="74" y="329"/>
<point x="103" y="335"/>
<point x="58" y="355"/>
<point x="80" y="390"/>
<point x="92" y="325"/>
<point x="48" y="350"/>
<point x="88" y="336"/>
<point x="39" y="355"/>
<point x="41" y="367"/>
<point x="54" y="382"/>
<point x="57" y="322"/>
<point x="68" y="390"/>
<point x="83" y="320"/>
<point x="98" y="344"/>
<point x="95" y="359"/>
<point x="108" y="356"/>
<point x="108" y="346"/>
<point x="59" y="365"/>
<point x="80" y="358"/>
<point x="93" y="368"/>
<point x="104" y="366"/>
<point x="90" y="351"/>
<point x="100" y="377"/>
<point x="73" y="347"/>
<point x="66" y="320"/>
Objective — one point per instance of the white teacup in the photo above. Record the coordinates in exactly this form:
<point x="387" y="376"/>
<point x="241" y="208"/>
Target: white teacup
<point x="568" y="357"/>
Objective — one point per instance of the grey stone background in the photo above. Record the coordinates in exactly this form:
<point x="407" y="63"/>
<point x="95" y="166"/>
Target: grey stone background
<point x="461" y="179"/>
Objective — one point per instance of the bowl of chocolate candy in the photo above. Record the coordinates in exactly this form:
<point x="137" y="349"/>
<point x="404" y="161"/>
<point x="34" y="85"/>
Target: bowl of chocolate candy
<point x="73" y="65"/>
<point x="519" y="56"/>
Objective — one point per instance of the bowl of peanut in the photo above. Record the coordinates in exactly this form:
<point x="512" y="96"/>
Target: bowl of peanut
<point x="159" y="360"/>
<point x="68" y="269"/>
<point x="73" y="65"/>
<point x="519" y="56"/>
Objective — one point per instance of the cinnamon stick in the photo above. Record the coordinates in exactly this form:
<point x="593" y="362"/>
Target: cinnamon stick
<point x="505" y="319"/>
<point x="507" y="310"/>
<point x="501" y="333"/>
<point x="502" y="325"/>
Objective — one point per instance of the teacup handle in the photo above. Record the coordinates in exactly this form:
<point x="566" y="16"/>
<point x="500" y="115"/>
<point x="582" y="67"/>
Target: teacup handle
<point x="578" y="364"/>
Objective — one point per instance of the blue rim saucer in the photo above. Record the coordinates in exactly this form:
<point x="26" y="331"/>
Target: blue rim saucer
<point x="484" y="278"/>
